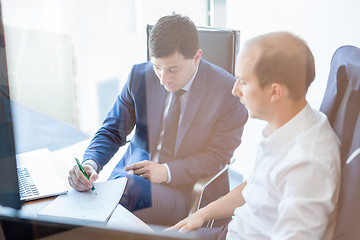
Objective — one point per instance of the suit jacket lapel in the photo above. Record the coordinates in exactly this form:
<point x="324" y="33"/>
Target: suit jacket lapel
<point x="197" y="91"/>
<point x="155" y="104"/>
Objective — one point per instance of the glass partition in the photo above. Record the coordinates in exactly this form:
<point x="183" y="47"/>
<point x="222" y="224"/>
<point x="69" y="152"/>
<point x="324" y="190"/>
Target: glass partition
<point x="67" y="61"/>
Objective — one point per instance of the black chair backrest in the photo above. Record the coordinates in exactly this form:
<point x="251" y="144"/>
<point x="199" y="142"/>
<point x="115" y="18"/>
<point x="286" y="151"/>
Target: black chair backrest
<point x="341" y="103"/>
<point x="219" y="45"/>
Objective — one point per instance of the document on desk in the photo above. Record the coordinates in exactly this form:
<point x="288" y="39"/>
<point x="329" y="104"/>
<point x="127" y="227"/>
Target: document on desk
<point x="87" y="206"/>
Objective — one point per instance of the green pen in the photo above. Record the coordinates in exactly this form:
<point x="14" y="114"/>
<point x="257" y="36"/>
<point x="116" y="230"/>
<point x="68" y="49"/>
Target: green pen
<point x="83" y="171"/>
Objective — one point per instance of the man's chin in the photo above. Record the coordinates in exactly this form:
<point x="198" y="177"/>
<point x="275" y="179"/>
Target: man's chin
<point x="170" y="88"/>
<point x="251" y="114"/>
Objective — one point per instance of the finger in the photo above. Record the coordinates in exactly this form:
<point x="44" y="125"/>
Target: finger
<point x="172" y="228"/>
<point x="71" y="172"/>
<point x="135" y="166"/>
<point x="139" y="172"/>
<point x="73" y="184"/>
<point x="72" y="179"/>
<point x="80" y="179"/>
<point x="132" y="166"/>
<point x="145" y="175"/>
<point x="184" y="229"/>
<point x="93" y="175"/>
<point x="176" y="226"/>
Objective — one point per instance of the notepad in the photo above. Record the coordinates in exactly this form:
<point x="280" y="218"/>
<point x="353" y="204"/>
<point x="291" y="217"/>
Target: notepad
<point x="87" y="206"/>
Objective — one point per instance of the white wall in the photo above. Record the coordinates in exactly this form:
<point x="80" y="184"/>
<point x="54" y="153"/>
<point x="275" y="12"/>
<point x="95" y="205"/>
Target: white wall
<point x="106" y="38"/>
<point x="324" y="24"/>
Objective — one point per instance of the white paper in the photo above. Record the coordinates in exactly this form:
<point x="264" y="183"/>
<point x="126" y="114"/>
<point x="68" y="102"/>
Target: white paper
<point x="123" y="219"/>
<point x="88" y="206"/>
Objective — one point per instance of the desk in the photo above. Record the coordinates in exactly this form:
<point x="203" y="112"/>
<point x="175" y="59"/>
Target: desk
<point x="63" y="160"/>
<point x="121" y="219"/>
<point x="126" y="227"/>
<point x="121" y="224"/>
<point x="34" y="131"/>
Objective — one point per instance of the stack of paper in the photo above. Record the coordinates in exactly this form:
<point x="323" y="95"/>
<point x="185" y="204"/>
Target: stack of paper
<point x="88" y="206"/>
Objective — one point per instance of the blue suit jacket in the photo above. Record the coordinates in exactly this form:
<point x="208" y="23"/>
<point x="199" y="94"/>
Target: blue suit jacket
<point x="210" y="130"/>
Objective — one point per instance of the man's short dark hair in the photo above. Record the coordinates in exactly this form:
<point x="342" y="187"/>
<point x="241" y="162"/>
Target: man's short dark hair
<point x="173" y="33"/>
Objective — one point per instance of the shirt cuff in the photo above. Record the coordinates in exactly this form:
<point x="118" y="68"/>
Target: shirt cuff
<point x="168" y="172"/>
<point x="92" y="163"/>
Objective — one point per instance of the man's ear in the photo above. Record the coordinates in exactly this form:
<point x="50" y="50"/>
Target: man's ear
<point x="197" y="56"/>
<point x="277" y="91"/>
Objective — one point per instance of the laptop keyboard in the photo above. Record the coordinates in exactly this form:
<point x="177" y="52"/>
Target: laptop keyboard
<point x="27" y="187"/>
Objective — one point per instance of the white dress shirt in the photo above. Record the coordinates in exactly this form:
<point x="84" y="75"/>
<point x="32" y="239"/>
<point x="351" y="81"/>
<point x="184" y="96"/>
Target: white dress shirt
<point x="183" y="99"/>
<point x="293" y="189"/>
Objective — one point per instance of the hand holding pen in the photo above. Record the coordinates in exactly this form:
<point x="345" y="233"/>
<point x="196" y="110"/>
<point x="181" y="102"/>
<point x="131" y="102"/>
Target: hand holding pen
<point x="81" y="177"/>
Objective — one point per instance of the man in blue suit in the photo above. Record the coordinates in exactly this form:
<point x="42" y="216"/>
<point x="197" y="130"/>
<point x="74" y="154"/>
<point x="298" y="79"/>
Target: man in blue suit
<point x="187" y="126"/>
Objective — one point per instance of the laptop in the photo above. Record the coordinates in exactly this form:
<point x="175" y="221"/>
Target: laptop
<point x="37" y="176"/>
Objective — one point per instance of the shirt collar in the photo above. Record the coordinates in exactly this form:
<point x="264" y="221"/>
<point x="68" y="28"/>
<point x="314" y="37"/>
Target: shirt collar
<point x="286" y="133"/>
<point x="189" y="83"/>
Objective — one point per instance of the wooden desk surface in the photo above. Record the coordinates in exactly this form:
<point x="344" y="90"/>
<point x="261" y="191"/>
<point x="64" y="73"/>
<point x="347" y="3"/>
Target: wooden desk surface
<point x="122" y="223"/>
<point x="63" y="161"/>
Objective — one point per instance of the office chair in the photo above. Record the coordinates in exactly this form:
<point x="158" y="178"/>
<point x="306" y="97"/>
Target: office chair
<point x="220" y="47"/>
<point x="199" y="189"/>
<point x="341" y="103"/>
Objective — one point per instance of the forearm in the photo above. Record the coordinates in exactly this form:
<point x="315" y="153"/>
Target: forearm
<point x="100" y="150"/>
<point x="225" y="206"/>
<point x="112" y="134"/>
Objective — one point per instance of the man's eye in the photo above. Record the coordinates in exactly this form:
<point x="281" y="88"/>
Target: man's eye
<point x="173" y="70"/>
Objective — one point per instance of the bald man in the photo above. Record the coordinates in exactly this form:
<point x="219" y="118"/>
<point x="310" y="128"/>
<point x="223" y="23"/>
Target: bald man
<point x="293" y="189"/>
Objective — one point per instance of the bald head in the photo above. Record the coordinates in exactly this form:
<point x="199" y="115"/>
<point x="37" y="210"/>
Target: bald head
<point x="285" y="59"/>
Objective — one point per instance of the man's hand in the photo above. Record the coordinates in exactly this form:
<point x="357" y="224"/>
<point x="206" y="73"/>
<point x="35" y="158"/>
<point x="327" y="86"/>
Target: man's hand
<point x="149" y="170"/>
<point x="78" y="181"/>
<point x="193" y="222"/>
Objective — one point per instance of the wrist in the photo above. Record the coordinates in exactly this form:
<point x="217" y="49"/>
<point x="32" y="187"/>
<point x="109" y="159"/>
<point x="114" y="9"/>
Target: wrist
<point x="167" y="173"/>
<point x="203" y="214"/>
<point x="91" y="163"/>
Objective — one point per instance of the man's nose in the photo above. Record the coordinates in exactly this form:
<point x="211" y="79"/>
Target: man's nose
<point x="236" y="91"/>
<point x="164" y="79"/>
